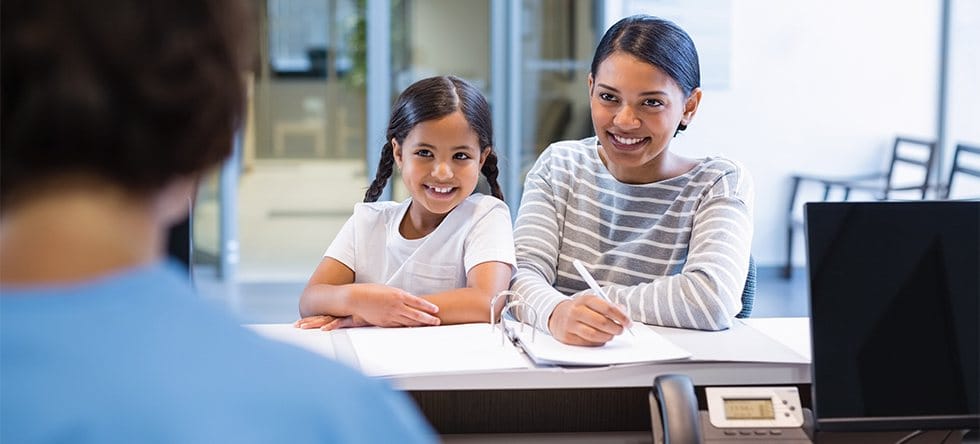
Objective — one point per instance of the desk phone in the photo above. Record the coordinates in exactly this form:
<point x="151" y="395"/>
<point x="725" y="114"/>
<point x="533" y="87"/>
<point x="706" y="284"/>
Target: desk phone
<point x="734" y="414"/>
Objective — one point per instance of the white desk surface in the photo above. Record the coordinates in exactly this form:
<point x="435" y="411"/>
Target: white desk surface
<point x="791" y="332"/>
<point x="753" y="351"/>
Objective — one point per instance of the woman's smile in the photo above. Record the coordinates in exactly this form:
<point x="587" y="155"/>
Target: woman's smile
<point x="628" y="144"/>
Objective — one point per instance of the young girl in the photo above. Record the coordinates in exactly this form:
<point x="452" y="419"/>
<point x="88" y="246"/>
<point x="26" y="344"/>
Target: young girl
<point x="437" y="257"/>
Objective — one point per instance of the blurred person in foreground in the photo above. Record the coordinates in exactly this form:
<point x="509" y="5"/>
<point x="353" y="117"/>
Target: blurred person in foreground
<point x="111" y="112"/>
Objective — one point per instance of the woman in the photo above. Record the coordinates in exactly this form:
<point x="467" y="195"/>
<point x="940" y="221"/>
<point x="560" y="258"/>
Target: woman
<point x="667" y="236"/>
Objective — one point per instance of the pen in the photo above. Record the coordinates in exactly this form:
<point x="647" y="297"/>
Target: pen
<point x="593" y="284"/>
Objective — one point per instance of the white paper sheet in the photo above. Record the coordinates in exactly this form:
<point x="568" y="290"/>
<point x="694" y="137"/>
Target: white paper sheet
<point x="425" y="350"/>
<point x="645" y="346"/>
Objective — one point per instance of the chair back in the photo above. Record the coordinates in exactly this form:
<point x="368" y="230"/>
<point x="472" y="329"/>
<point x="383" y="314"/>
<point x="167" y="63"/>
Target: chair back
<point x="911" y="166"/>
<point x="966" y="165"/>
<point x="748" y="293"/>
<point x="180" y="240"/>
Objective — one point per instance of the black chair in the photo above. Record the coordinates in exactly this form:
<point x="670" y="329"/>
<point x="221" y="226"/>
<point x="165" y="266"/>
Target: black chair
<point x="748" y="294"/>
<point x="180" y="242"/>
<point x="907" y="153"/>
<point x="964" y="159"/>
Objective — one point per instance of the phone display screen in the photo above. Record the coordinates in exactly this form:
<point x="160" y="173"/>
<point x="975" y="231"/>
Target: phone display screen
<point x="749" y="409"/>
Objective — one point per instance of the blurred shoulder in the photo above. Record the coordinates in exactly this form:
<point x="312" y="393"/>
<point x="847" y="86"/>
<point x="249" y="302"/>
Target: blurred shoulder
<point x="302" y="387"/>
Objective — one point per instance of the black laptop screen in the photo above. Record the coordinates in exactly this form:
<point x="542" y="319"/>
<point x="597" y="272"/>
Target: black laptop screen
<point x="894" y="290"/>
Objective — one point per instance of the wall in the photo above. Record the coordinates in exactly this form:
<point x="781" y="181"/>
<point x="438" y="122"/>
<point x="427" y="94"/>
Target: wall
<point x="819" y="87"/>
<point x="963" y="124"/>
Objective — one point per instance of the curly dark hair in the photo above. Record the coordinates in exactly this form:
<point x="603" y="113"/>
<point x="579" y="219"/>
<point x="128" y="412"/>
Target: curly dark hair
<point x="134" y="92"/>
<point x="431" y="99"/>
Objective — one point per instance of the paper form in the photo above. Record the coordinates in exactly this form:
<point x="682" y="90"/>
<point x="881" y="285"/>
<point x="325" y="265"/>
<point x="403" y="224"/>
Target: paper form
<point x="440" y="349"/>
<point x="646" y="346"/>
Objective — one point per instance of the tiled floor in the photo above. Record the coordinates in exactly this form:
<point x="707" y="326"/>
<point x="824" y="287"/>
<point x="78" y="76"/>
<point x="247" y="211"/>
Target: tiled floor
<point x="276" y="302"/>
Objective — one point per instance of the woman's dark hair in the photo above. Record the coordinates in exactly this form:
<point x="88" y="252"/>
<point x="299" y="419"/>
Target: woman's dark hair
<point x="430" y="99"/>
<point x="134" y="92"/>
<point x="658" y="42"/>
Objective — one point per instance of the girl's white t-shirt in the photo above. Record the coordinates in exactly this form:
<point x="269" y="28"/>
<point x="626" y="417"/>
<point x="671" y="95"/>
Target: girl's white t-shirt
<point x="478" y="230"/>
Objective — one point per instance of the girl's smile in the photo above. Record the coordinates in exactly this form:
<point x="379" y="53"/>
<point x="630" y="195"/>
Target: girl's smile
<point x="440" y="192"/>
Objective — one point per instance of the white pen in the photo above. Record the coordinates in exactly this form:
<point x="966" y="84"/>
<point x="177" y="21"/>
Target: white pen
<point x="582" y="271"/>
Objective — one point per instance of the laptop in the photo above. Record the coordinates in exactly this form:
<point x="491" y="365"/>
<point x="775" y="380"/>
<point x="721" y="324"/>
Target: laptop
<point x="894" y="314"/>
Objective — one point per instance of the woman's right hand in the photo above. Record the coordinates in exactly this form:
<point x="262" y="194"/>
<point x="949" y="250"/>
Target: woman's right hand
<point x="587" y="320"/>
<point x="386" y="306"/>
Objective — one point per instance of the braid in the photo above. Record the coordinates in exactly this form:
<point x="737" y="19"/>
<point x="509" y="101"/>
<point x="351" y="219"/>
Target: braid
<point x="381" y="178"/>
<point x="490" y="171"/>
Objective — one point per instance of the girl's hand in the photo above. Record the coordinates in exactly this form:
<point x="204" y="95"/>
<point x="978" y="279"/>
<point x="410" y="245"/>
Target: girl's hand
<point x="345" y="322"/>
<point x="386" y="306"/>
<point x="314" y="321"/>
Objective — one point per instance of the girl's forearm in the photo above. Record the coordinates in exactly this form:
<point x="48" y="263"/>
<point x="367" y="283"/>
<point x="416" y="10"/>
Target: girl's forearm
<point x="472" y="304"/>
<point x="326" y="299"/>
<point x="462" y="305"/>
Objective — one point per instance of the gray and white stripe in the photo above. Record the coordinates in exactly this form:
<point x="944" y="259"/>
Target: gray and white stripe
<point x="674" y="252"/>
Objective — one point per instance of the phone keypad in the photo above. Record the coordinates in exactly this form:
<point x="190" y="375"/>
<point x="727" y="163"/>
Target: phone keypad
<point x="791" y="435"/>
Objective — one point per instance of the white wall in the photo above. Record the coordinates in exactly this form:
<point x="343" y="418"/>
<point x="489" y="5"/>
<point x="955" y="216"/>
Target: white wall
<point x="818" y="86"/>
<point x="963" y="108"/>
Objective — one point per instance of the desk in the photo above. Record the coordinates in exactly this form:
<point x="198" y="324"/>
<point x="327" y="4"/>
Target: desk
<point x="550" y="399"/>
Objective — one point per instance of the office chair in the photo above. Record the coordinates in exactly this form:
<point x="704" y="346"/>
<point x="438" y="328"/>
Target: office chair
<point x="748" y="293"/>
<point x="180" y="243"/>
<point x="908" y="156"/>
<point x="966" y="161"/>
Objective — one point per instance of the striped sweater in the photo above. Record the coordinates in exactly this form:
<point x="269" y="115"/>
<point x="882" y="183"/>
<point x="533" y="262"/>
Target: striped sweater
<point x="674" y="252"/>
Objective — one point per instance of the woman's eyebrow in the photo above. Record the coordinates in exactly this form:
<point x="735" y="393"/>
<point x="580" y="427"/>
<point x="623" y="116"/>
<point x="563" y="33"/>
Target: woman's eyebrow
<point x="645" y="93"/>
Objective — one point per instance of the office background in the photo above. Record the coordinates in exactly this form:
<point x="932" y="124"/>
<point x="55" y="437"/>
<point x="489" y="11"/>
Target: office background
<point x="816" y="86"/>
